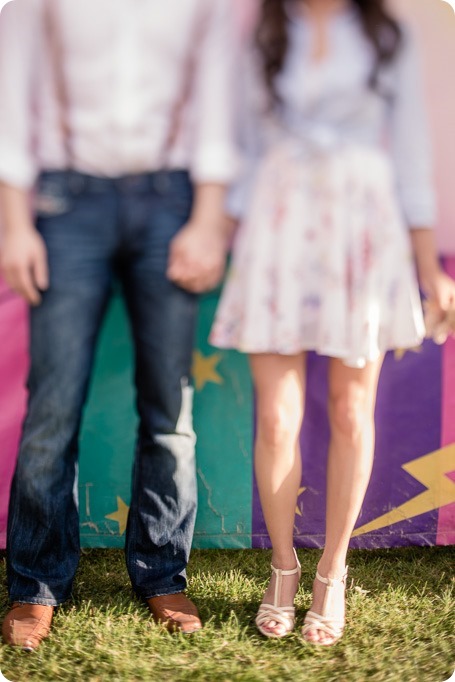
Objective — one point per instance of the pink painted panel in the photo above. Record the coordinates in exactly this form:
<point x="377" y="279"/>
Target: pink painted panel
<point x="446" y="521"/>
<point x="246" y="11"/>
<point x="434" y="24"/>
<point x="13" y="369"/>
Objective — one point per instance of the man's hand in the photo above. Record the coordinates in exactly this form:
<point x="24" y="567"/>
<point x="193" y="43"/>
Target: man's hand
<point x="23" y="261"/>
<point x="197" y="258"/>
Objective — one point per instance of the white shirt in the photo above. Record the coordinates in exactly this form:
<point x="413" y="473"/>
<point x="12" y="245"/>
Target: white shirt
<point x="329" y="102"/>
<point x="125" y="64"/>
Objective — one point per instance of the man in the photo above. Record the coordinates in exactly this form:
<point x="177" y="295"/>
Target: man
<point x="119" y="114"/>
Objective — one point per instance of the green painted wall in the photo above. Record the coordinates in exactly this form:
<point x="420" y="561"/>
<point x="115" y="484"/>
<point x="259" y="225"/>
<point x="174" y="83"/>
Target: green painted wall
<point x="223" y="421"/>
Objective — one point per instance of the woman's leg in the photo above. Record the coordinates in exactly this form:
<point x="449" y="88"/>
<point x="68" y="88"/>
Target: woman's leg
<point x="280" y="389"/>
<point x="352" y="397"/>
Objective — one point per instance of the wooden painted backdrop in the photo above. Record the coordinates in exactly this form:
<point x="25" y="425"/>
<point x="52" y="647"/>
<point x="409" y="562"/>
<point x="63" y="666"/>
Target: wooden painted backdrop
<point x="411" y="499"/>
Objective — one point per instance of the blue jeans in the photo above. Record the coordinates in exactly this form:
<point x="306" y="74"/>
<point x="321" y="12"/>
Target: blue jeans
<point x="96" y="229"/>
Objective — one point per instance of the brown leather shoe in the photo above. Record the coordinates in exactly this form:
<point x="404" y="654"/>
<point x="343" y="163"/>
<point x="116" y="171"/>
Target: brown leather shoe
<point x="176" y="612"/>
<point x="26" y="625"/>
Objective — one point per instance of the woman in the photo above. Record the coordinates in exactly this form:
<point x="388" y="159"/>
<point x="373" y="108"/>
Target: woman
<point x="338" y="171"/>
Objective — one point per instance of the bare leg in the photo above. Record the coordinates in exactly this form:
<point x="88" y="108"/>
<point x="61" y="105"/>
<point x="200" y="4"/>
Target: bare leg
<point x="352" y="397"/>
<point x="280" y="388"/>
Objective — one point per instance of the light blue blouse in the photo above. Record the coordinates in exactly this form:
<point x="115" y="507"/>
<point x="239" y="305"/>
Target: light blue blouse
<point x="331" y="101"/>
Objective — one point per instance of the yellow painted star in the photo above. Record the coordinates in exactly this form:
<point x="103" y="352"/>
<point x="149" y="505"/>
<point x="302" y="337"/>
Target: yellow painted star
<point x="120" y="516"/>
<point x="204" y="369"/>
<point x="298" y="511"/>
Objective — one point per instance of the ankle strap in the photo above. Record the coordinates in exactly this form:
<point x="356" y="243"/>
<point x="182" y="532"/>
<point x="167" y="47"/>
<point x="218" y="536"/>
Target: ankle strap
<point x="333" y="581"/>
<point x="280" y="571"/>
<point x="292" y="571"/>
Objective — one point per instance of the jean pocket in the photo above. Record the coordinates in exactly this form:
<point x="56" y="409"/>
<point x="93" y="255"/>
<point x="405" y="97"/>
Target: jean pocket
<point x="52" y="196"/>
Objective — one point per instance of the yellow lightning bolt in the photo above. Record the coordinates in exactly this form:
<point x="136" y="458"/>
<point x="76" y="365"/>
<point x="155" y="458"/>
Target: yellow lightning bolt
<point x="297" y="509"/>
<point x="120" y="516"/>
<point x="401" y="352"/>
<point x="430" y="470"/>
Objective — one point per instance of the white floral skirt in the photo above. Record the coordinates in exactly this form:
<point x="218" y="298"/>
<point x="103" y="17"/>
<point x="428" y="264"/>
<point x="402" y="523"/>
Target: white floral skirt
<point x="322" y="260"/>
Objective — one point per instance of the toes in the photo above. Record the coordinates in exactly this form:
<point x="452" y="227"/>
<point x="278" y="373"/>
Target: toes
<point x="318" y="637"/>
<point x="275" y="628"/>
<point x="324" y="638"/>
<point x="311" y="636"/>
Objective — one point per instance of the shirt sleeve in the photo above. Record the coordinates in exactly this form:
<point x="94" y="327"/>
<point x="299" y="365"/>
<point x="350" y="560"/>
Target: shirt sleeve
<point x="214" y="154"/>
<point x="18" y="29"/>
<point x="251" y="108"/>
<point x="410" y="139"/>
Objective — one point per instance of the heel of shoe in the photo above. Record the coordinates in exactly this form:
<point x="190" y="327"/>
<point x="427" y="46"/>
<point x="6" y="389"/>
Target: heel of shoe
<point x="283" y="615"/>
<point x="331" y="626"/>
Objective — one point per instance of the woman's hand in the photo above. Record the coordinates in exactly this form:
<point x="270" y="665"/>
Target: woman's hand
<point x="438" y="287"/>
<point x="439" y="307"/>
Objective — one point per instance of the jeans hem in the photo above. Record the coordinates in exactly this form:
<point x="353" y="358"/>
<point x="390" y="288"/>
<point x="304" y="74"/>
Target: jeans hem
<point x="37" y="600"/>
<point x="164" y="592"/>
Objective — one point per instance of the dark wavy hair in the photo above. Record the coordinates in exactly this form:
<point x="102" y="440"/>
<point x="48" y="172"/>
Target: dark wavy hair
<point x="272" y="38"/>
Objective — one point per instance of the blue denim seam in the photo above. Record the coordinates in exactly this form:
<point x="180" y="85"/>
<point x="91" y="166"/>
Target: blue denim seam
<point x="166" y="593"/>
<point x="37" y="600"/>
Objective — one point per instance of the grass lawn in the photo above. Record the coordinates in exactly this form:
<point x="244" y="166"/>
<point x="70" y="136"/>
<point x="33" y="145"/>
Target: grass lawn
<point x="401" y="624"/>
